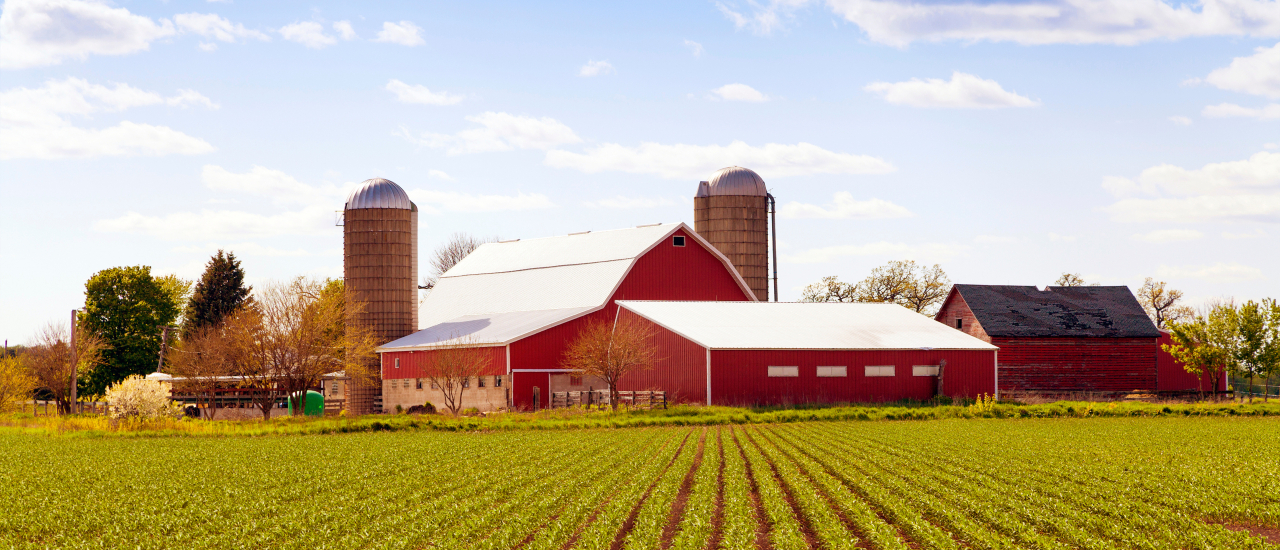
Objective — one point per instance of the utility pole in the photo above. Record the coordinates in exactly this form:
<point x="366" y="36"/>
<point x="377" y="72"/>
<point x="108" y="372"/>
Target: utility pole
<point x="164" y="345"/>
<point x="75" y="361"/>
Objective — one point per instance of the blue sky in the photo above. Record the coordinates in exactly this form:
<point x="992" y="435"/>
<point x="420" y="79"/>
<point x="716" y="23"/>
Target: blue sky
<point x="1009" y="142"/>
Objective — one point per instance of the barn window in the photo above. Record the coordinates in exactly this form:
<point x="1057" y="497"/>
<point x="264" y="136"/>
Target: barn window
<point x="959" y="323"/>
<point x="924" y="370"/>
<point x="677" y="240"/>
<point x="393" y="383"/>
<point x="418" y="384"/>
<point x="833" y="372"/>
<point x="877" y="370"/>
<point x="479" y="381"/>
<point x="575" y="379"/>
<point x="466" y="381"/>
<point x="433" y="385"/>
<point x="783" y="372"/>
<point x="397" y="362"/>
<point x="497" y="381"/>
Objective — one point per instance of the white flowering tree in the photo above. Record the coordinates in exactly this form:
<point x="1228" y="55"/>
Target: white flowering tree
<point x="136" y="397"/>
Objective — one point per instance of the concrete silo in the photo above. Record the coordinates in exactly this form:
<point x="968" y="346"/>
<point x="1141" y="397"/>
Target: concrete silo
<point x="730" y="211"/>
<point x="380" y="265"/>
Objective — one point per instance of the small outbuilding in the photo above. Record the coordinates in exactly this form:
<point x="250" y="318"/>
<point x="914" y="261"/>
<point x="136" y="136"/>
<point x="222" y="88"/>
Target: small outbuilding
<point x="755" y="353"/>
<point x="1060" y="339"/>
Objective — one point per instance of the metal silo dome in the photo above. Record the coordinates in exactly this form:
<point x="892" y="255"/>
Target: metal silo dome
<point x="378" y="193"/>
<point x="734" y="180"/>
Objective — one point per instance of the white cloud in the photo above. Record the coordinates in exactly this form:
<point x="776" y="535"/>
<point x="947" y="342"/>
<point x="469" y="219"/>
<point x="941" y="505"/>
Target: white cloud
<point x="439" y="174"/>
<point x="307" y="33"/>
<point x="739" y="92"/>
<point x="1238" y="190"/>
<point x="1271" y="146"/>
<point x="1129" y="22"/>
<point x="626" y="203"/>
<point x="994" y="239"/>
<point x="1224" y="110"/>
<point x="1217" y="273"/>
<point x="681" y="161"/>
<point x="344" y="30"/>
<point x="208" y="46"/>
<point x="260" y="181"/>
<point x="403" y="33"/>
<point x="437" y="201"/>
<point x="241" y="250"/>
<point x="1169" y="236"/>
<point x="1257" y="234"/>
<point x="1258" y="74"/>
<point x="35" y="33"/>
<point x="223" y="224"/>
<point x="217" y="27"/>
<point x="845" y="207"/>
<point x="1062" y="238"/>
<point x="1180" y="120"/>
<point x="694" y="47"/>
<point x="765" y="18"/>
<point x="34" y="122"/>
<point x="963" y="91"/>
<point x="499" y="132"/>
<point x="929" y="252"/>
<point x="418" y="93"/>
<point x="595" y="68"/>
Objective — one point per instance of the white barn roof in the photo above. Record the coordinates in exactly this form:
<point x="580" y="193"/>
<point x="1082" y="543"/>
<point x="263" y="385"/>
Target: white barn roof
<point x="502" y="292"/>
<point x="791" y="325"/>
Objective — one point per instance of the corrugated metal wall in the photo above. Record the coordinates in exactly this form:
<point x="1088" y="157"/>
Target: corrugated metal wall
<point x="680" y="368"/>
<point x="1173" y="377"/>
<point x="666" y="272"/>
<point x="412" y="362"/>
<point x="741" y="377"/>
<point x="1077" y="364"/>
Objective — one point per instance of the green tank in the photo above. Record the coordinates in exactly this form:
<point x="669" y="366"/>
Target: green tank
<point x="312" y="404"/>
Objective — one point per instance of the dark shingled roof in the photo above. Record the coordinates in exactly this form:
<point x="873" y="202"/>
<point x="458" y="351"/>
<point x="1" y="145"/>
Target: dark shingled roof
<point x="1058" y="311"/>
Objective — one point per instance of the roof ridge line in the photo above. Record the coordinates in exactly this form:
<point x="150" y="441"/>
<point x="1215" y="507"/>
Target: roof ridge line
<point x="540" y="267"/>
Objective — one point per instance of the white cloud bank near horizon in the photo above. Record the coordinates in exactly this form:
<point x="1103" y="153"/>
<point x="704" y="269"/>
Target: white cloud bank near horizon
<point x="36" y="124"/>
<point x="498" y="132"/>
<point x="963" y="91"/>
<point x="1243" y="190"/>
<point x="684" y="161"/>
<point x="844" y="207"/>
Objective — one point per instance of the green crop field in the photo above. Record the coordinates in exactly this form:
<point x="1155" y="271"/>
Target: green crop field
<point x="1140" y="483"/>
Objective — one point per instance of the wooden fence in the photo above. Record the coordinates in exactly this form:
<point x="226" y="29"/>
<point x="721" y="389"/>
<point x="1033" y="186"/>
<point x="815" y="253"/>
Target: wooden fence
<point x="50" y="408"/>
<point x="629" y="399"/>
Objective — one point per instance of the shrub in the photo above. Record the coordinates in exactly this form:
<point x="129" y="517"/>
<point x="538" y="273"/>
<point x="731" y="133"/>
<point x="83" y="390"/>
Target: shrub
<point x="426" y="408"/>
<point x="142" y="399"/>
<point x="399" y="409"/>
<point x="471" y="411"/>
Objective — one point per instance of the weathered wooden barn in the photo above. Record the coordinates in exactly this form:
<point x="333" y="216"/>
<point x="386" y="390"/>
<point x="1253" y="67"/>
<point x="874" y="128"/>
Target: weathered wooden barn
<point x="752" y="353"/>
<point x="523" y="301"/>
<point x="1060" y="339"/>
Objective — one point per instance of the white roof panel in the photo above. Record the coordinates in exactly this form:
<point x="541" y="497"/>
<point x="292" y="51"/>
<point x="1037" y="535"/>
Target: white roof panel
<point x="484" y="329"/>
<point x="792" y="325"/>
<point x="574" y="286"/>
<point x="580" y="248"/>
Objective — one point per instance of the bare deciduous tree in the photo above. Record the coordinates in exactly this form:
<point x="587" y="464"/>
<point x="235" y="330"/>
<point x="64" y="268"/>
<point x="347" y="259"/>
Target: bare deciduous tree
<point x="50" y="358"/>
<point x="1071" y="279"/>
<point x="293" y="334"/>
<point x="904" y="283"/>
<point x="1161" y="303"/>
<point x="201" y="364"/>
<point x="450" y="369"/>
<point x="449" y="254"/>
<point x="610" y="351"/>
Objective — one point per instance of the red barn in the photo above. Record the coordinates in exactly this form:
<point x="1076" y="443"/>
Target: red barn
<point x="1173" y="377"/>
<point x="1061" y="339"/>
<point x="523" y="301"/>
<point x="743" y="353"/>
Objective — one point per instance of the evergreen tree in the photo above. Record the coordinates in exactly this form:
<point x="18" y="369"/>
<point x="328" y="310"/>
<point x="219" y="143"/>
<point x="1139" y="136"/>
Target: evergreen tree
<point x="125" y="306"/>
<point x="218" y="293"/>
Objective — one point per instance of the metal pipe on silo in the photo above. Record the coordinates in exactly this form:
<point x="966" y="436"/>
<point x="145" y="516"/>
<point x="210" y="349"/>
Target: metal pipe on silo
<point x="380" y="267"/>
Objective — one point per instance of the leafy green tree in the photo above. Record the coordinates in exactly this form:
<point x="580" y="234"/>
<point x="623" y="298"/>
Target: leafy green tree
<point x="1193" y="346"/>
<point x="125" y="306"/>
<point x="220" y="291"/>
<point x="1256" y="346"/>
<point x="178" y="289"/>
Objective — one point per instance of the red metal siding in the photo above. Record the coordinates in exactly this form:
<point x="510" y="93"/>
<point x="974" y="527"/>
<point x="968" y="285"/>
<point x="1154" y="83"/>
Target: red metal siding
<point x="666" y="272"/>
<point x="741" y="377"/>
<point x="1077" y="364"/>
<point x="411" y="363"/>
<point x="1173" y="377"/>
<point x="522" y="384"/>
<point x="680" y="368"/>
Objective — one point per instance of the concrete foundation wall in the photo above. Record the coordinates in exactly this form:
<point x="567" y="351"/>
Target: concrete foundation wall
<point x="405" y="392"/>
